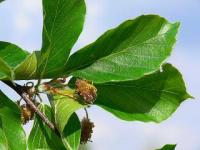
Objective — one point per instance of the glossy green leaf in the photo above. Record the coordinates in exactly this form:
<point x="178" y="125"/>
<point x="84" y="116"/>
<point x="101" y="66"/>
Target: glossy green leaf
<point x="16" y="63"/>
<point x="10" y="126"/>
<point x="41" y="136"/>
<point x="72" y="133"/>
<point x="27" y="69"/>
<point x="133" y="49"/>
<point x="11" y="56"/>
<point x="5" y="70"/>
<point x="64" y="107"/>
<point x="168" y="147"/>
<point x="152" y="98"/>
<point x="66" y="120"/>
<point x="63" y="22"/>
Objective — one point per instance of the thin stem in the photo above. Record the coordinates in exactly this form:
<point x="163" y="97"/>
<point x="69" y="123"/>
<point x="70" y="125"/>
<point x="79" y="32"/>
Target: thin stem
<point x="22" y="92"/>
<point x="38" y="83"/>
<point x="87" y="116"/>
<point x="39" y="113"/>
<point x="38" y="95"/>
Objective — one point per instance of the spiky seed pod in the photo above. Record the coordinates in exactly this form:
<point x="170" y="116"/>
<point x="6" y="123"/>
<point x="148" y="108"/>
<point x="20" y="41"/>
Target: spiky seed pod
<point x="32" y="111"/>
<point x="86" y="91"/>
<point x="86" y="130"/>
<point x="27" y="113"/>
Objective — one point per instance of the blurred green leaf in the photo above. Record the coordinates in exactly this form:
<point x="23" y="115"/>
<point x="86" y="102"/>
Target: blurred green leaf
<point x="168" y="147"/>
<point x="12" y="135"/>
<point x="133" y="49"/>
<point x="152" y="98"/>
<point x="63" y="23"/>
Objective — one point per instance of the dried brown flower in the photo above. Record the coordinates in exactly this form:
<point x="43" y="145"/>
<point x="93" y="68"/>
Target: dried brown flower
<point x="86" y="91"/>
<point x="86" y="130"/>
<point x="27" y="113"/>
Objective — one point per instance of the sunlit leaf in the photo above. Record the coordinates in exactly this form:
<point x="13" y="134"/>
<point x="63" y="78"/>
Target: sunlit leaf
<point x="63" y="23"/>
<point x="16" y="63"/>
<point x="128" y="52"/>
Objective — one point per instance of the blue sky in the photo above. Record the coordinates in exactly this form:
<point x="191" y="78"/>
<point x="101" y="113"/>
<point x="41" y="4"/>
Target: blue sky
<point x="21" y="23"/>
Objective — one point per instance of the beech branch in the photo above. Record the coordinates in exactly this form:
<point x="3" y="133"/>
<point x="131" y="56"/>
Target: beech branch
<point x="22" y="91"/>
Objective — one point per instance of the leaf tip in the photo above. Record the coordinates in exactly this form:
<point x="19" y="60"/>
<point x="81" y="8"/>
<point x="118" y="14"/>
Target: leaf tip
<point x="189" y="96"/>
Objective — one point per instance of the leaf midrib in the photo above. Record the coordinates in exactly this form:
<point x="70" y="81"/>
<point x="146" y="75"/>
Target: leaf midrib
<point x="138" y="87"/>
<point x="112" y="54"/>
<point x="49" y="38"/>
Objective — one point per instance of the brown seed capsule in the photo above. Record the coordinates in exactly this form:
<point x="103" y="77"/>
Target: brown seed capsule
<point x="27" y="113"/>
<point x="86" y="91"/>
<point x="86" y="130"/>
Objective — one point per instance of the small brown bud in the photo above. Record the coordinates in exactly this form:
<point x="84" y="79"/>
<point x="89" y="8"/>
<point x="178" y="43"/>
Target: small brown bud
<point x="86" y="130"/>
<point x="86" y="91"/>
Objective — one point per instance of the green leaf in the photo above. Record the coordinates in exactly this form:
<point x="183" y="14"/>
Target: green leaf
<point x="27" y="69"/>
<point x="66" y="120"/>
<point x="5" y="70"/>
<point x="152" y="98"/>
<point x="16" y="63"/>
<point x="64" y="107"/>
<point x="72" y="133"/>
<point x="10" y="125"/>
<point x="133" y="49"/>
<point x="63" y="23"/>
<point x="41" y="136"/>
<point x="168" y="147"/>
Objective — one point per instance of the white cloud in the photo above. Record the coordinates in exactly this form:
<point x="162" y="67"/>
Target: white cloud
<point x="93" y="23"/>
<point x="31" y="6"/>
<point x="95" y="9"/>
<point x="25" y="12"/>
<point x="22" y="23"/>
